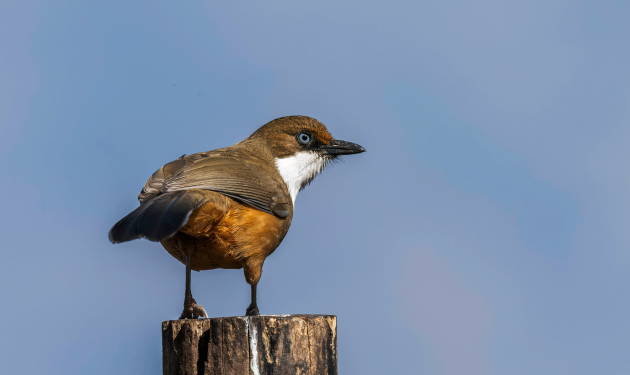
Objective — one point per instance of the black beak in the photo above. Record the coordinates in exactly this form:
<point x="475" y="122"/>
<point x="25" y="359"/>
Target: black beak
<point x="341" y="148"/>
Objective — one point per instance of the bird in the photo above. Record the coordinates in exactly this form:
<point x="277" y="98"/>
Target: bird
<point x="232" y="207"/>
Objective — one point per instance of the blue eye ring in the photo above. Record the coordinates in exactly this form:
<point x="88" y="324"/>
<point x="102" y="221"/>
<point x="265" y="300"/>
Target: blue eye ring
<point x="304" y="138"/>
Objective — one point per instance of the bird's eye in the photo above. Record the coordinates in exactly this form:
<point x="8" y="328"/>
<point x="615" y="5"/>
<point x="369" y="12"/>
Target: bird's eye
<point x="304" y="138"/>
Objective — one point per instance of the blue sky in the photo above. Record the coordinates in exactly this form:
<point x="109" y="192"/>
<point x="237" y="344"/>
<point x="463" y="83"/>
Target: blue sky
<point x="485" y="231"/>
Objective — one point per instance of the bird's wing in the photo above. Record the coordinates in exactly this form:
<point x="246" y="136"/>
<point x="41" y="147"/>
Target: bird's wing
<point x="224" y="174"/>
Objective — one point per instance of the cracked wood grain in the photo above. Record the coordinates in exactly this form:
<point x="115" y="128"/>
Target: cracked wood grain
<point x="258" y="345"/>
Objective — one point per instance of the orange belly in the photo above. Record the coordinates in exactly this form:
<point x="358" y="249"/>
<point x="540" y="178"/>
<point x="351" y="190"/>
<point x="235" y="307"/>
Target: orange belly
<point x="224" y="233"/>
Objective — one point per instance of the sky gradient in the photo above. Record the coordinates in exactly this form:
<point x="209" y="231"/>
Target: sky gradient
<point x="484" y="231"/>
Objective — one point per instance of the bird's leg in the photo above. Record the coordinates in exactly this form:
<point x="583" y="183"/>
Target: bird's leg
<point x="191" y="309"/>
<point x="252" y="310"/>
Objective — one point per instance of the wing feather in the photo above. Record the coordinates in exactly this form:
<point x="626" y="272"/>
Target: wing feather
<point x="225" y="174"/>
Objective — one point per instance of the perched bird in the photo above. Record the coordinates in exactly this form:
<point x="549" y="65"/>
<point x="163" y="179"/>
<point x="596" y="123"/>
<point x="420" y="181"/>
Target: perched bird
<point x="231" y="207"/>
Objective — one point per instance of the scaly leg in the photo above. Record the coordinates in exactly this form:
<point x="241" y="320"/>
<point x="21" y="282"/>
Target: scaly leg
<point x="191" y="309"/>
<point x="252" y="310"/>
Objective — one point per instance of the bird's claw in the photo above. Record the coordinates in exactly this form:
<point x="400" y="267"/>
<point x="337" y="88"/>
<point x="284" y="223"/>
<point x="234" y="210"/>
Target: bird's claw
<point x="193" y="311"/>
<point x="252" y="310"/>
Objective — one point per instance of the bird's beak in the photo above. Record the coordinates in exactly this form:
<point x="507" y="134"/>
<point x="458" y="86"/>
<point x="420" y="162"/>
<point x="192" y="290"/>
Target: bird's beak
<point x="336" y="147"/>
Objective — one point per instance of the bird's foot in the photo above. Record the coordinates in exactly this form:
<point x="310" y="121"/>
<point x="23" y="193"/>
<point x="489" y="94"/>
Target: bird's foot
<point x="193" y="311"/>
<point x="252" y="310"/>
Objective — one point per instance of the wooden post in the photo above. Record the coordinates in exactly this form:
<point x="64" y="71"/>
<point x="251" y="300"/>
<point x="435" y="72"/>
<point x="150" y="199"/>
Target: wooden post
<point x="257" y="345"/>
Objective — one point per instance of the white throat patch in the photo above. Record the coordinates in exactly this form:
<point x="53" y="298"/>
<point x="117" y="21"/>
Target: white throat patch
<point x="300" y="169"/>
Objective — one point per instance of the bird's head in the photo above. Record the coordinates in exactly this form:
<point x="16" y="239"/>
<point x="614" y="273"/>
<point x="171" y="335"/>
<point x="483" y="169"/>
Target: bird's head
<point x="302" y="147"/>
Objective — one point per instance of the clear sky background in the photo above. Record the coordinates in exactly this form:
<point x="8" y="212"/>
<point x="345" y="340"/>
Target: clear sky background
<point x="485" y="231"/>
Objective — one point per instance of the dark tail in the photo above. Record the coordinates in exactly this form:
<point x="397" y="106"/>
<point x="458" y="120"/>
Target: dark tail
<point x="159" y="218"/>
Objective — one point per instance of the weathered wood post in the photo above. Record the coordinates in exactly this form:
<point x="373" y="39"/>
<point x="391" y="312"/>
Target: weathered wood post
<point x="257" y="345"/>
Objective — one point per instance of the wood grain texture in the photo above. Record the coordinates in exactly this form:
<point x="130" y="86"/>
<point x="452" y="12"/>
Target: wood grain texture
<point x="258" y="345"/>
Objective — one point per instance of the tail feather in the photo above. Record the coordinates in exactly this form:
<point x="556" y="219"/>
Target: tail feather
<point x="159" y="218"/>
<point x="126" y="229"/>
